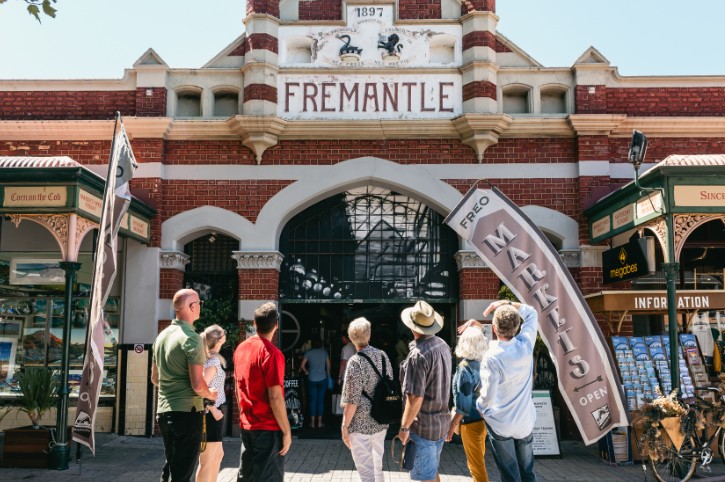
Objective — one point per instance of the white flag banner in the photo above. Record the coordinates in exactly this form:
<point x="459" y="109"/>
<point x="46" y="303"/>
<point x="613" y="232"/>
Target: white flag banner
<point x="516" y="250"/>
<point x="116" y="200"/>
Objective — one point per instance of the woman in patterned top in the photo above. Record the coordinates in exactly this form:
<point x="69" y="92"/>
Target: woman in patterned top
<point x="362" y="435"/>
<point x="210" y="459"/>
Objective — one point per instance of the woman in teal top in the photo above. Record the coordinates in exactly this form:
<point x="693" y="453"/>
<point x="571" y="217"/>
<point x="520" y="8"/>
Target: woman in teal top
<point x="465" y="417"/>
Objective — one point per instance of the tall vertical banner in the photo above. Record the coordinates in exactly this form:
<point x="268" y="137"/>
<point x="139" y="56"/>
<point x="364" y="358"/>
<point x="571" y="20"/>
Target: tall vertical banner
<point x="514" y="248"/>
<point x="116" y="200"/>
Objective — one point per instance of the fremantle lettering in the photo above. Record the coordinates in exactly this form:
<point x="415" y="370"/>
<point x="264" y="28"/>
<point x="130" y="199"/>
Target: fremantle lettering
<point x="347" y="97"/>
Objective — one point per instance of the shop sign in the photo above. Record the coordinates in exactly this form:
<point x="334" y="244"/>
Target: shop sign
<point x="700" y="196"/>
<point x="90" y="203"/>
<point x="629" y="261"/>
<point x="601" y="227"/>
<point x="623" y="217"/>
<point x="649" y="207"/>
<point x="139" y="227"/>
<point x="35" y="196"/>
<point x="545" y="440"/>
<point x="656" y="301"/>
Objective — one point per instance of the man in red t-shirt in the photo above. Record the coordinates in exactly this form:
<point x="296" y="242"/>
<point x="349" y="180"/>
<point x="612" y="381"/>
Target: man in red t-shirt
<point x="259" y="380"/>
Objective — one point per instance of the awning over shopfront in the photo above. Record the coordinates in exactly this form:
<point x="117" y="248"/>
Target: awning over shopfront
<point x="616" y="305"/>
<point x="37" y="187"/>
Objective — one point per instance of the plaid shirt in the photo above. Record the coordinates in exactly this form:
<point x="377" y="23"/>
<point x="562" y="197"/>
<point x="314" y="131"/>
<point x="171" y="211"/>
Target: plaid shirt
<point x="426" y="372"/>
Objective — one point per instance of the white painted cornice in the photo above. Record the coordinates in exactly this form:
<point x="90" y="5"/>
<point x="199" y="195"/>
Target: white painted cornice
<point x="127" y="82"/>
<point x="82" y="130"/>
<point x="257" y="132"/>
<point x="539" y="127"/>
<point x="469" y="259"/>
<point x="672" y="126"/>
<point x="258" y="259"/>
<point x="595" y="124"/>
<point x="480" y="131"/>
<point x="174" y="260"/>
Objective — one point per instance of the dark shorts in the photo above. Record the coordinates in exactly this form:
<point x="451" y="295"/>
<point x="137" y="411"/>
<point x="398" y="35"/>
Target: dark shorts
<point x="214" y="428"/>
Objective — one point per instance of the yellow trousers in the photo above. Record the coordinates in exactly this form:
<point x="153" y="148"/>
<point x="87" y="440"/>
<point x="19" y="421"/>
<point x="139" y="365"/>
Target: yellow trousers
<point x="474" y="444"/>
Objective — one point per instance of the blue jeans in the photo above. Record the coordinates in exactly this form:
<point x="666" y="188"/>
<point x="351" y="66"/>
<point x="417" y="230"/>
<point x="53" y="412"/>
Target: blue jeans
<point x="317" y="397"/>
<point x="514" y="457"/>
<point x="427" y="457"/>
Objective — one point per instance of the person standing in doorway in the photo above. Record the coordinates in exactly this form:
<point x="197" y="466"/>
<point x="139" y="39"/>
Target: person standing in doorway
<point x="507" y="375"/>
<point x="259" y="381"/>
<point x="316" y="365"/>
<point x="177" y="369"/>
<point x="425" y="377"/>
<point x="348" y="350"/>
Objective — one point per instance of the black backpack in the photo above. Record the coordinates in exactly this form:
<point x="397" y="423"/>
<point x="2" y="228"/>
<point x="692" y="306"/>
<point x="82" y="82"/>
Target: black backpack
<point x="387" y="399"/>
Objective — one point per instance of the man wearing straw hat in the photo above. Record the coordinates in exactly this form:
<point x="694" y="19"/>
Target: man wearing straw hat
<point x="425" y="376"/>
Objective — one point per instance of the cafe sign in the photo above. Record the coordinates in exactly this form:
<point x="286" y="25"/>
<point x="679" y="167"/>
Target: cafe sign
<point x="35" y="196"/>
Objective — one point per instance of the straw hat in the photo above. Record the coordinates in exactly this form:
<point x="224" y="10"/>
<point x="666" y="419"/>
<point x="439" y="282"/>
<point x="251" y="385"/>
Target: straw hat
<point x="422" y="319"/>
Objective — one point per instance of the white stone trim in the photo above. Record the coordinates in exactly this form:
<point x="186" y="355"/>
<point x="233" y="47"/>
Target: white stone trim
<point x="188" y="225"/>
<point x="469" y="259"/>
<point x="174" y="260"/>
<point x="556" y="223"/>
<point x="591" y="256"/>
<point x="571" y="257"/>
<point x="258" y="259"/>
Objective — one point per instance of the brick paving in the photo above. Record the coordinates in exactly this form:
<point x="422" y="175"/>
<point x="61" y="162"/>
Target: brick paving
<point x="140" y="459"/>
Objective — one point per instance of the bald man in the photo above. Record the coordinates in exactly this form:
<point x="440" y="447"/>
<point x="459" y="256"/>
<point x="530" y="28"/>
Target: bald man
<point x="177" y="370"/>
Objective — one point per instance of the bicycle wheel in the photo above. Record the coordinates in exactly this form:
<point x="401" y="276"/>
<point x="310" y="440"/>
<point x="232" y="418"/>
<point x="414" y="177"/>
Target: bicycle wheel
<point x="676" y="465"/>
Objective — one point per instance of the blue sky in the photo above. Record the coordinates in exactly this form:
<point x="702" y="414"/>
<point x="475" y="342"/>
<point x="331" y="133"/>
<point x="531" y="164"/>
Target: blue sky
<point x="100" y="38"/>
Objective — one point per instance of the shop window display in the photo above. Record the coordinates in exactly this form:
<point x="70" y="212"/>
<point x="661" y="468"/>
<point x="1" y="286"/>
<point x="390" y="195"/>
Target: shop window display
<point x="31" y="334"/>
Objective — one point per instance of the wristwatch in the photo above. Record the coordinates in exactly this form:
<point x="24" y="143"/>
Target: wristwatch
<point x="404" y="429"/>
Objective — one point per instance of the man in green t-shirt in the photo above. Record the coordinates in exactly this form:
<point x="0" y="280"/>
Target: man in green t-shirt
<point x="178" y="371"/>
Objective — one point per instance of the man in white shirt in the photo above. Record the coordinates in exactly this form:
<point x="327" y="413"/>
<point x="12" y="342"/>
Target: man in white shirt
<point x="348" y="350"/>
<point x="506" y="384"/>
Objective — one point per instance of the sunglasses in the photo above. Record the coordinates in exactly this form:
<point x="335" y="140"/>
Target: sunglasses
<point x="201" y="303"/>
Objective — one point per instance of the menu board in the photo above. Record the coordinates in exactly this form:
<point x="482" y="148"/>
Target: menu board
<point x="545" y="439"/>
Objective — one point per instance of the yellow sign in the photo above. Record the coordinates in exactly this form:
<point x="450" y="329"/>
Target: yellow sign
<point x="35" y="196"/>
<point x="90" y="203"/>
<point x="139" y="227"/>
<point x="700" y="196"/>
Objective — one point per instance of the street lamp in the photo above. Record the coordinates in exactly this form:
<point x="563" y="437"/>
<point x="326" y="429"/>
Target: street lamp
<point x="637" y="150"/>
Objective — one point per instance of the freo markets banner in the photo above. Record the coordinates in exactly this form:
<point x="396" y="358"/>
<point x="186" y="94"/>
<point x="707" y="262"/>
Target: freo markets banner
<point x="515" y="249"/>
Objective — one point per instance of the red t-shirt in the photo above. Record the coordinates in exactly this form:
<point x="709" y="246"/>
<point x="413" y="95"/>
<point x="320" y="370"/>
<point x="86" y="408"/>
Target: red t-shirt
<point x="258" y="364"/>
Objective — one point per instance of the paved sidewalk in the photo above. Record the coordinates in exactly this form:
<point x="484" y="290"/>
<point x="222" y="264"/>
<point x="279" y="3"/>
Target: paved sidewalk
<point x="140" y="459"/>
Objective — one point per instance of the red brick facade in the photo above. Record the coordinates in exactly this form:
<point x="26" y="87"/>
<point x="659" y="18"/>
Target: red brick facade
<point x="479" y="89"/>
<point x="153" y="105"/>
<point x="665" y="101"/>
<point x="320" y="10"/>
<point x="468" y="6"/>
<point x="66" y="105"/>
<point x="258" y="284"/>
<point x="171" y="281"/>
<point x="261" y="41"/>
<point x="479" y="39"/>
<point x="478" y="284"/>
<point x="270" y="7"/>
<point x="419" y="9"/>
<point x="260" y="92"/>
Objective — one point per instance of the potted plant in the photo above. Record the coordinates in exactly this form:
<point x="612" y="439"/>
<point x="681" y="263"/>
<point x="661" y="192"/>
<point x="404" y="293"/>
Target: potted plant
<point x="29" y="446"/>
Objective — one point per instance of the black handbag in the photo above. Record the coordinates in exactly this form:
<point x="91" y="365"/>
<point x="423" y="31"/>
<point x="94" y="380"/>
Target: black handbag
<point x="407" y="456"/>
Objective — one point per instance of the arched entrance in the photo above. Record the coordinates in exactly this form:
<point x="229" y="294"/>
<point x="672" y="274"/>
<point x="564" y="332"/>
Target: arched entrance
<point x="367" y="251"/>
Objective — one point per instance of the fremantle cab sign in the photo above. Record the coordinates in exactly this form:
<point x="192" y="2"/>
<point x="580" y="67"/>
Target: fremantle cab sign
<point x="369" y="96"/>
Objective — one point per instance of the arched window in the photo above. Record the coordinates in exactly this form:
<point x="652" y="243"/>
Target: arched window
<point x="370" y="244"/>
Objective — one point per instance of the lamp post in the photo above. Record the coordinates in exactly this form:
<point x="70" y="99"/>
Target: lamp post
<point x="60" y="451"/>
<point x="637" y="150"/>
